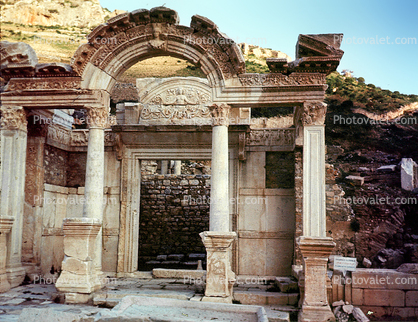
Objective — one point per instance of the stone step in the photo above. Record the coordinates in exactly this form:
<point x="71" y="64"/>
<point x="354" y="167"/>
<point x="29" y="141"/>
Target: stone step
<point x="259" y="297"/>
<point x="286" y="285"/>
<point x="111" y="298"/>
<point x="277" y="316"/>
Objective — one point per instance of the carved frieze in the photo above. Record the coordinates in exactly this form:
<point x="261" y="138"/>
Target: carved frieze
<point x="13" y="118"/>
<point x="81" y="138"/>
<point x="18" y="84"/>
<point x="59" y="134"/>
<point x="180" y="103"/>
<point x="277" y="79"/>
<point x="314" y="113"/>
<point x="269" y="137"/>
<point x="220" y="114"/>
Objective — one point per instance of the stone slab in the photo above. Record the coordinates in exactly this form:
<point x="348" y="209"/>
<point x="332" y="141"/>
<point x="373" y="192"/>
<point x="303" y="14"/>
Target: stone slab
<point x="134" y="308"/>
<point x="178" y="273"/>
<point x="265" y="298"/>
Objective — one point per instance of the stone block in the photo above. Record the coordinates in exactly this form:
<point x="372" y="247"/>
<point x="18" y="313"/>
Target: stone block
<point x="377" y="297"/>
<point x="358" y="181"/>
<point x="357" y="296"/>
<point x="407" y="174"/>
<point x="76" y="266"/>
<point x="411" y="298"/>
<point x="178" y="273"/>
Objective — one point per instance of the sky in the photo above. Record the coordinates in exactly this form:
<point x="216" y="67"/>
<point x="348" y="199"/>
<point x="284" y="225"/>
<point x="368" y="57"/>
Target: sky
<point x="380" y="36"/>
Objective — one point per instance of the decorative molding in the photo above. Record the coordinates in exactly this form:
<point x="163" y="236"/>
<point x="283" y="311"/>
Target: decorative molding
<point x="13" y="118"/>
<point x="220" y="114"/>
<point x="268" y="137"/>
<point x="140" y="27"/>
<point x="20" y="84"/>
<point x="314" y="113"/>
<point x="277" y="79"/>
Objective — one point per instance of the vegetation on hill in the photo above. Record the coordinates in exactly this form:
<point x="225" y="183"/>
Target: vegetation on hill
<point x="367" y="96"/>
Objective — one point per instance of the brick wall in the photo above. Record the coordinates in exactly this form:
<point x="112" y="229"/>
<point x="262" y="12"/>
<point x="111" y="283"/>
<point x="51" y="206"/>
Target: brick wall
<point x="168" y="223"/>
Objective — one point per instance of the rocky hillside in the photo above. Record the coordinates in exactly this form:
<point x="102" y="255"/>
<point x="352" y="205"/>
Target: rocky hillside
<point x="69" y="13"/>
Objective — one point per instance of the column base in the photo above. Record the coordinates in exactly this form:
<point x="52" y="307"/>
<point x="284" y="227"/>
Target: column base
<point x="79" y="277"/>
<point x="15" y="276"/>
<point x="4" y="283"/>
<point x="316" y="314"/>
<point x="220" y="278"/>
<point x="215" y="299"/>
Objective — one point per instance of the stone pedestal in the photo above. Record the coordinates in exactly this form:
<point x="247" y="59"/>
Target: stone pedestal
<point x="13" y="164"/>
<point x="6" y="224"/>
<point x="220" y="278"/>
<point x="315" y="252"/>
<point x="79" y="276"/>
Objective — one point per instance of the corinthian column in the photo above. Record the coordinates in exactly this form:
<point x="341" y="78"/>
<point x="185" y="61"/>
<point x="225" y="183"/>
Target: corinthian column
<point x="81" y="267"/>
<point x="93" y="207"/>
<point x="13" y="164"/>
<point x="219" y="196"/>
<point x="315" y="247"/>
<point x="218" y="241"/>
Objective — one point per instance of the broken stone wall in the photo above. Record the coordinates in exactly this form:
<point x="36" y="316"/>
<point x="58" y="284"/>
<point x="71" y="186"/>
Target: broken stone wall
<point x="174" y="210"/>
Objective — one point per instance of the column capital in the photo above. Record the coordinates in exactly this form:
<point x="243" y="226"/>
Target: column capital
<point x="97" y="117"/>
<point x="314" y="113"/>
<point x="13" y="118"/>
<point x="220" y="114"/>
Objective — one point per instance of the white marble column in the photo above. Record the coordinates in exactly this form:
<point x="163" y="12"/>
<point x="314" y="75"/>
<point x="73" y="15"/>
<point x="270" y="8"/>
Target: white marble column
<point x="93" y="193"/>
<point x="13" y="164"/>
<point x="219" y="195"/>
<point x="218" y="241"/>
<point x="315" y="247"/>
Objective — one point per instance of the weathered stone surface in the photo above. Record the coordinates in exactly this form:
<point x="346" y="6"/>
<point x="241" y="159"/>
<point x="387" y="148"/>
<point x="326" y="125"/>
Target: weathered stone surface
<point x="359" y="315"/>
<point x="142" y="308"/>
<point x="408" y="173"/>
<point x="410" y="268"/>
<point x="178" y="273"/>
<point x="358" y="181"/>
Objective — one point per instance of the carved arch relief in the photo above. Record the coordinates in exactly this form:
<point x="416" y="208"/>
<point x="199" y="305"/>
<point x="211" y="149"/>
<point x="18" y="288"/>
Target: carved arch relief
<point x="177" y="100"/>
<point x="130" y="37"/>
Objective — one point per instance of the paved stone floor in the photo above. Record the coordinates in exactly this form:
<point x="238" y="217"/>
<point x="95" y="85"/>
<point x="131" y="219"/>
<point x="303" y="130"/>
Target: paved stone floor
<point x="46" y="297"/>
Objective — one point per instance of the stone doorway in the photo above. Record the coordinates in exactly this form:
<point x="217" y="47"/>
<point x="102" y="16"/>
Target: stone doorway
<point x="174" y="209"/>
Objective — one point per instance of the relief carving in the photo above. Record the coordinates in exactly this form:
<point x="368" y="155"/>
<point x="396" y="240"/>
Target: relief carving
<point x="277" y="79"/>
<point x="314" y="113"/>
<point x="59" y="134"/>
<point x="177" y="104"/>
<point x="271" y="137"/>
<point x="220" y="114"/>
<point x="13" y="118"/>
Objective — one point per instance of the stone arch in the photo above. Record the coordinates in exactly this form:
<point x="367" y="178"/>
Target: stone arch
<point x="115" y="46"/>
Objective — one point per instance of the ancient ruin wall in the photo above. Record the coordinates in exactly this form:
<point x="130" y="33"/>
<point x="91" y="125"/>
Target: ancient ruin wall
<point x="174" y="210"/>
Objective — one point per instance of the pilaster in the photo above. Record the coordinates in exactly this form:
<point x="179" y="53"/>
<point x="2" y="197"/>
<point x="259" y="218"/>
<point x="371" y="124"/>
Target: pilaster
<point x="13" y="164"/>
